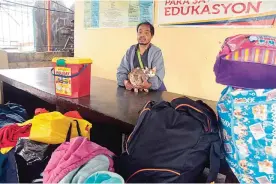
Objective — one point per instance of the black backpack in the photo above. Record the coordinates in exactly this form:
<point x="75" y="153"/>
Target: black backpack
<point x="172" y="143"/>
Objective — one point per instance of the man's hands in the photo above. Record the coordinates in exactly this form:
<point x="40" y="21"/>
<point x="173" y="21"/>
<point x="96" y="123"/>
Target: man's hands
<point x="145" y="85"/>
<point x="128" y="85"/>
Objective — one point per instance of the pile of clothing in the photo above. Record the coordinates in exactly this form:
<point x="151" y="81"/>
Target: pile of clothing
<point x="247" y="107"/>
<point x="10" y="134"/>
<point x="11" y="115"/>
<point x="75" y="161"/>
<point x="52" y="148"/>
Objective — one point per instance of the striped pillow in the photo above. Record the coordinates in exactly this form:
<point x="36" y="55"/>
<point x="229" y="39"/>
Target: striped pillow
<point x="254" y="55"/>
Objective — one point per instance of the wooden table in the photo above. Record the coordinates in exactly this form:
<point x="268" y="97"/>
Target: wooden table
<point x="112" y="110"/>
<point x="106" y="97"/>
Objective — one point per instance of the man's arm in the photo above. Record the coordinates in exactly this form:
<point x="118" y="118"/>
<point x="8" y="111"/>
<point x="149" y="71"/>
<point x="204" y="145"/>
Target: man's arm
<point x="157" y="80"/>
<point x="123" y="69"/>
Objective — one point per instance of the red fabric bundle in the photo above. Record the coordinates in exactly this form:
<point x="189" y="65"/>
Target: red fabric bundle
<point x="10" y="134"/>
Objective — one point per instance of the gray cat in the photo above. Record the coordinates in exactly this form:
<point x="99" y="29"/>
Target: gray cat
<point x="138" y="75"/>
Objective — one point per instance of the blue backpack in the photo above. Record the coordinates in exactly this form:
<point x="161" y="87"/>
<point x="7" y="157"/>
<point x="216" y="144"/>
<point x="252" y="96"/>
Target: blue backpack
<point x="172" y="142"/>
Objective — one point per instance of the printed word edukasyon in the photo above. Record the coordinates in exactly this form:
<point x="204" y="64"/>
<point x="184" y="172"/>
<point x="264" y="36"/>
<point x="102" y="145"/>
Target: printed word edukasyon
<point x="178" y="7"/>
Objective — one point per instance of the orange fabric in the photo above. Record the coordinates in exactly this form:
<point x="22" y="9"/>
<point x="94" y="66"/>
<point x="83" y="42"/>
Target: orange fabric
<point x="40" y="110"/>
<point x="73" y="114"/>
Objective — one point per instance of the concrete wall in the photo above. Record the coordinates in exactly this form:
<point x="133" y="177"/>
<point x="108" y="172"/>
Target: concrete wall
<point x="33" y="59"/>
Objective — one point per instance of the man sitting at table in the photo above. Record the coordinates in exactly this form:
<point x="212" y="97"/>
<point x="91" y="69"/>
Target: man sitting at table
<point x="144" y="54"/>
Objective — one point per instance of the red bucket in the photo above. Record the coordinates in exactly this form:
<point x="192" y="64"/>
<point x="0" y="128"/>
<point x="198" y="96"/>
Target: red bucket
<point x="72" y="76"/>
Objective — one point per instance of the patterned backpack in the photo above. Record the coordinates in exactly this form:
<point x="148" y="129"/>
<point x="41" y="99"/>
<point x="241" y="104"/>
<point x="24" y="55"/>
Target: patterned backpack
<point x="248" y="120"/>
<point x="247" y="61"/>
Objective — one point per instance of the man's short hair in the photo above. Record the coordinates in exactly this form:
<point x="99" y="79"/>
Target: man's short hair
<point x="149" y="24"/>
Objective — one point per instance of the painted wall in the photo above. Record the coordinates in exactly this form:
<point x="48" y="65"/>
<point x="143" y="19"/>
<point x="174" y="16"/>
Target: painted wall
<point x="189" y="53"/>
<point x="4" y="64"/>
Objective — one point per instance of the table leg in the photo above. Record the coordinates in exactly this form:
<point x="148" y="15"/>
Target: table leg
<point x="1" y="93"/>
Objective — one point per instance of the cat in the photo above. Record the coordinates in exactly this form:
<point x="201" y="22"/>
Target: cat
<point x="271" y="150"/>
<point x="266" y="166"/>
<point x="138" y="75"/>
<point x="243" y="148"/>
<point x="238" y="113"/>
<point x="260" y="112"/>
<point x="247" y="178"/>
<point x="243" y="165"/>
<point x="240" y="130"/>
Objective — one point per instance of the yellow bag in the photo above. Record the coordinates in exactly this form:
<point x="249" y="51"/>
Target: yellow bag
<point x="52" y="127"/>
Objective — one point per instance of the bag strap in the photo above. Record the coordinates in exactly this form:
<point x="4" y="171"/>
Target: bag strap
<point x="78" y="127"/>
<point x="147" y="106"/>
<point x="183" y="100"/>
<point x="140" y="59"/>
<point x="199" y="106"/>
<point x="68" y="136"/>
<point x="207" y="107"/>
<point x="215" y="158"/>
